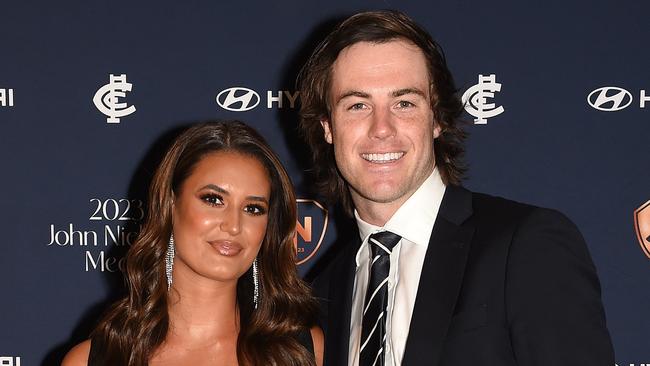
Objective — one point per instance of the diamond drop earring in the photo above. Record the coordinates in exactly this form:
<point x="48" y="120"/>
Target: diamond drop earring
<point x="256" y="284"/>
<point x="169" y="261"/>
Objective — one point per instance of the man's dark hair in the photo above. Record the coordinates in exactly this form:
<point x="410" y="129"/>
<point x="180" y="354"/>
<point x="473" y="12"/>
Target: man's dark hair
<point x="314" y="83"/>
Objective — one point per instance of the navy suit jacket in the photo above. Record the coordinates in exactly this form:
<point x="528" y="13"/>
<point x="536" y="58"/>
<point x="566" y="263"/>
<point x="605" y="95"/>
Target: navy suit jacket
<point x="503" y="283"/>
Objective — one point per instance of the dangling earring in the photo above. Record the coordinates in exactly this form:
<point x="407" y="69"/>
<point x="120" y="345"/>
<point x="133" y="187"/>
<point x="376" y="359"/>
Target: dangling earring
<point x="256" y="284"/>
<point x="169" y="261"/>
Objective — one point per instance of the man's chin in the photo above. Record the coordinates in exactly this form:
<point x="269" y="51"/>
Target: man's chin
<point x="385" y="194"/>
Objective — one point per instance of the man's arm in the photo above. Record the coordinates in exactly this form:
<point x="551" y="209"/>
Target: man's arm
<point x="554" y="308"/>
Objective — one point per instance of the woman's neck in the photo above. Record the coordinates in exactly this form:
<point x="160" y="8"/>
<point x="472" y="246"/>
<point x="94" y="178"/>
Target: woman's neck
<point x="202" y="310"/>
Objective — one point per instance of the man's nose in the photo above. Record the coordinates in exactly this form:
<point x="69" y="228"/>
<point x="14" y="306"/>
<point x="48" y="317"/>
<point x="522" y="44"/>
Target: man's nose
<point x="382" y="124"/>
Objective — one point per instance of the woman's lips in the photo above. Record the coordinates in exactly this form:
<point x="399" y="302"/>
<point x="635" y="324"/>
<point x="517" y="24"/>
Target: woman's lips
<point x="226" y="247"/>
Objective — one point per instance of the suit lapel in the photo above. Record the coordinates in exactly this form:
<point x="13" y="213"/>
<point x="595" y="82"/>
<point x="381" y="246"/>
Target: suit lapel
<point x="340" y="308"/>
<point x="441" y="278"/>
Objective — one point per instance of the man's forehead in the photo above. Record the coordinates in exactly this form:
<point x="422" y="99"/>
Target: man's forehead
<point x="396" y="44"/>
<point x="367" y="56"/>
<point x="392" y="68"/>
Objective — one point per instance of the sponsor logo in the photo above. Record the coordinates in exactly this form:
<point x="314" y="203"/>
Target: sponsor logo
<point x="107" y="99"/>
<point x="609" y="99"/>
<point x="475" y="99"/>
<point x="280" y="97"/>
<point x="238" y="99"/>
<point x="241" y="99"/>
<point x="9" y="361"/>
<point x="613" y="98"/>
<point x="310" y="229"/>
<point x="642" y="226"/>
<point x="6" y="97"/>
<point x="633" y="364"/>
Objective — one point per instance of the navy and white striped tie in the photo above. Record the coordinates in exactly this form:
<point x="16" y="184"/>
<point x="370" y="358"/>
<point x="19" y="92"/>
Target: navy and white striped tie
<point x="373" y="328"/>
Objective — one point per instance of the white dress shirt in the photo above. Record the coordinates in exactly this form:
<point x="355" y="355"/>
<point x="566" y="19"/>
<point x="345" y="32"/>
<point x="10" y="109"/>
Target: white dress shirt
<point x="413" y="221"/>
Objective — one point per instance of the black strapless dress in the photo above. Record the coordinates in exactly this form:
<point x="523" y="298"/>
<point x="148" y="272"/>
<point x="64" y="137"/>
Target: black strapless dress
<point x="304" y="337"/>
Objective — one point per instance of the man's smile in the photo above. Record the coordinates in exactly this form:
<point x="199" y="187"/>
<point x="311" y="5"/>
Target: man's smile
<point x="382" y="158"/>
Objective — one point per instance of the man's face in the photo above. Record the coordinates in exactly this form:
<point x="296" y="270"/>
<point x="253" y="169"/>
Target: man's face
<point x="381" y="123"/>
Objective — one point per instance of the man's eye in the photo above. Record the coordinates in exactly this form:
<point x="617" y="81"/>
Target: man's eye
<point x="212" y="199"/>
<point x="357" y="106"/>
<point x="405" y="104"/>
<point x="255" y="210"/>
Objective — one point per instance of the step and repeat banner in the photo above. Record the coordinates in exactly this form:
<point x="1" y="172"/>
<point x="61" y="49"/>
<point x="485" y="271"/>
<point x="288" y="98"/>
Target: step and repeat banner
<point x="91" y="94"/>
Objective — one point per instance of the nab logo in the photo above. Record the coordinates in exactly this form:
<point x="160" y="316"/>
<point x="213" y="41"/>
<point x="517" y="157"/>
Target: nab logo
<point x="107" y="99"/>
<point x="238" y="99"/>
<point x="609" y="99"/>
<point x="9" y="361"/>
<point x="642" y="227"/>
<point x="475" y="99"/>
<point x="6" y="97"/>
<point x="310" y="230"/>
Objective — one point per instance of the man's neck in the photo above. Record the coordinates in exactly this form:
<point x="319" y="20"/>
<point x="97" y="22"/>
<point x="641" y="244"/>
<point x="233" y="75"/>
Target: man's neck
<point x="376" y="213"/>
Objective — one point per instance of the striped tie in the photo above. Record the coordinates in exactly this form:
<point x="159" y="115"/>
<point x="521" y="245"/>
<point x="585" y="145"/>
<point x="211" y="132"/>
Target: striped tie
<point x="373" y="329"/>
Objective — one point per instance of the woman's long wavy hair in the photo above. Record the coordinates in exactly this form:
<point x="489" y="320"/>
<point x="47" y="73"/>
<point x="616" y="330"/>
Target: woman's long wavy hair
<point x="134" y="327"/>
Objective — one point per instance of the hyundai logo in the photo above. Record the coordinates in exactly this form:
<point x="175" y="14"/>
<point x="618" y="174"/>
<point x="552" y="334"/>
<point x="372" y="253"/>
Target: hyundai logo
<point x="609" y="99"/>
<point x="238" y="99"/>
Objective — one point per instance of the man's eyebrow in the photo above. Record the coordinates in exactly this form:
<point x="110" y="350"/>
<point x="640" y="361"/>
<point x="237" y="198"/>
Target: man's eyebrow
<point x="352" y="93"/>
<point x="405" y="91"/>
<point x="394" y="94"/>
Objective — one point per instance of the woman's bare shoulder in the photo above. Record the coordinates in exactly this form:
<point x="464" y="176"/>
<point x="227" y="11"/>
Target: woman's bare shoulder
<point x="78" y="355"/>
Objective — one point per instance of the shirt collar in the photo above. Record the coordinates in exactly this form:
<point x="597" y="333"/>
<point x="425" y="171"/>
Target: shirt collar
<point x="425" y="201"/>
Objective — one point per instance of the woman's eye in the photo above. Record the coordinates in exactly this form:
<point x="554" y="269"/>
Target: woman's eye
<point x="255" y="210"/>
<point x="212" y="199"/>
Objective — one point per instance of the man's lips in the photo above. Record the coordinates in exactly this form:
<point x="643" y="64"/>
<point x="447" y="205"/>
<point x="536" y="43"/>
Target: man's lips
<point x="382" y="158"/>
<point x="226" y="248"/>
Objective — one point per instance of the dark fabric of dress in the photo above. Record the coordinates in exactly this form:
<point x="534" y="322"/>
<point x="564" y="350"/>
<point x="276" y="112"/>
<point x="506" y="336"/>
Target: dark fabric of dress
<point x="304" y="337"/>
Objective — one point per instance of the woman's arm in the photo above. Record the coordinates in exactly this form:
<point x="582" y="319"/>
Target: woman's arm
<point x="319" y="339"/>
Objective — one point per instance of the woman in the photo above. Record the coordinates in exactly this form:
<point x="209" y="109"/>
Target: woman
<point x="211" y="278"/>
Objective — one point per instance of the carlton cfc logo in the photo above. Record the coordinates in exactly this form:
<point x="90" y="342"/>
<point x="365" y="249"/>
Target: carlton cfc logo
<point x="609" y="99"/>
<point x="311" y="229"/>
<point x="238" y="99"/>
<point x="107" y="98"/>
<point x="476" y="98"/>
<point x="642" y="226"/>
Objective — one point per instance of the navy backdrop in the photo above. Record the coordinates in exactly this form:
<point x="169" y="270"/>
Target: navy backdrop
<point x="571" y="76"/>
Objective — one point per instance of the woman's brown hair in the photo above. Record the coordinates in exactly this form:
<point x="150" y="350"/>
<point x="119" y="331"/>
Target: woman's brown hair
<point x="314" y="82"/>
<point x="137" y="325"/>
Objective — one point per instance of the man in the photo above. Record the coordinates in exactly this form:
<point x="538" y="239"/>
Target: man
<point x="436" y="275"/>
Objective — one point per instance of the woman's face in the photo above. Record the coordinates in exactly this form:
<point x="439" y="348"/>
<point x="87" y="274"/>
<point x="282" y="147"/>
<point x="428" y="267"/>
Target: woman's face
<point x="220" y="216"/>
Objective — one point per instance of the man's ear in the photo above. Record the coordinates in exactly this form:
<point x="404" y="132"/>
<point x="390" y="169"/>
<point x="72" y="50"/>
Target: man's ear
<point x="437" y="130"/>
<point x="327" y="130"/>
